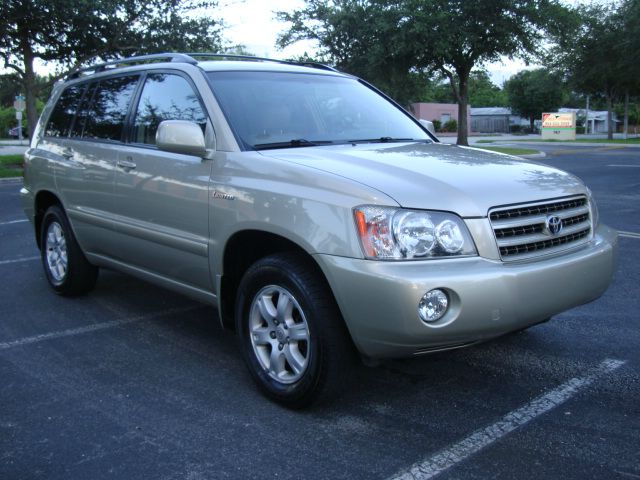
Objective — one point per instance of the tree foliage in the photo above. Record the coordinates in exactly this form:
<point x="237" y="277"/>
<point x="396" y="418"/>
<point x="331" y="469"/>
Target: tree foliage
<point x="361" y="38"/>
<point x="598" y="53"/>
<point x="532" y="92"/>
<point x="74" y="33"/>
<point x="482" y="91"/>
<point x="385" y="39"/>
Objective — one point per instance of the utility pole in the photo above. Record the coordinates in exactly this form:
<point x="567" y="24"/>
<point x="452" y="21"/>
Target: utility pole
<point x="626" y="114"/>
<point x="586" y="118"/>
<point x="19" y="104"/>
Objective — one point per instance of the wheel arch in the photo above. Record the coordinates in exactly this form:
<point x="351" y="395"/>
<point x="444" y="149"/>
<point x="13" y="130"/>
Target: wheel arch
<point x="241" y="251"/>
<point x="43" y="200"/>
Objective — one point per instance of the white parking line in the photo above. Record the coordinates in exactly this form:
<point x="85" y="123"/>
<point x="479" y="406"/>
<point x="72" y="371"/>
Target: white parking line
<point x="91" y="328"/>
<point x="484" y="437"/>
<point x="11" y="222"/>
<point x="623" y="166"/>
<point x="18" y="260"/>
<point x="628" y="234"/>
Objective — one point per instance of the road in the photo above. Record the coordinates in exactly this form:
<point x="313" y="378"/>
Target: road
<point x="133" y="381"/>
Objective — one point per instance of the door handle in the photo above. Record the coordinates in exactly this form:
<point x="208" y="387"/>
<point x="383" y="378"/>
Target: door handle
<point x="126" y="165"/>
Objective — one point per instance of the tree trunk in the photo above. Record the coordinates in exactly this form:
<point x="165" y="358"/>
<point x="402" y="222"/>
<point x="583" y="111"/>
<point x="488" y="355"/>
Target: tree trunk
<point x="28" y="78"/>
<point x="609" y="118"/>
<point x="532" y="124"/>
<point x="626" y="114"/>
<point x="463" y="102"/>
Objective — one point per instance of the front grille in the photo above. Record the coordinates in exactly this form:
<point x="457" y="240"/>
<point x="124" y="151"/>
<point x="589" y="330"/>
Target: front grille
<point x="522" y="231"/>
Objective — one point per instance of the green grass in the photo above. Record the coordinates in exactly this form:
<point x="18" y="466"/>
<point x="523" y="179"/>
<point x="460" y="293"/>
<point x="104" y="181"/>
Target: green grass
<point x="10" y="166"/>
<point x="511" y="151"/>
<point x="633" y="141"/>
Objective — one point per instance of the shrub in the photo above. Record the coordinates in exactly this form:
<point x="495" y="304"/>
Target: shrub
<point x="437" y="124"/>
<point x="450" y="126"/>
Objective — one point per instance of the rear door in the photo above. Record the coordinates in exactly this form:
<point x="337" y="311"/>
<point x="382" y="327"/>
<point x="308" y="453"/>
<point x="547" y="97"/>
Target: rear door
<point x="162" y="197"/>
<point x="85" y="177"/>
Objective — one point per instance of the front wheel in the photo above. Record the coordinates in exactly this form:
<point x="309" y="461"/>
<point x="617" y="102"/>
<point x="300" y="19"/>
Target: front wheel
<point x="67" y="269"/>
<point x="291" y="334"/>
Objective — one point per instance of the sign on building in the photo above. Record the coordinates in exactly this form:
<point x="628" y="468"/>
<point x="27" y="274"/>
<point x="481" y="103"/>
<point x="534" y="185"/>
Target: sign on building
<point x="559" y="126"/>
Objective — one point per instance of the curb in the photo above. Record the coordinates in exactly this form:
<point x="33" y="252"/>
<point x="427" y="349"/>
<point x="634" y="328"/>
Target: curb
<point x="533" y="155"/>
<point x="11" y="179"/>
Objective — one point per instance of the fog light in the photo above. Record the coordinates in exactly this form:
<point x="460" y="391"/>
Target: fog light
<point x="433" y="305"/>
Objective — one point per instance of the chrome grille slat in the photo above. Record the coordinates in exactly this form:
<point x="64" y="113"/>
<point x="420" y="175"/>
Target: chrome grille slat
<point x="521" y="230"/>
<point x="526" y="239"/>
<point x="538" y="219"/>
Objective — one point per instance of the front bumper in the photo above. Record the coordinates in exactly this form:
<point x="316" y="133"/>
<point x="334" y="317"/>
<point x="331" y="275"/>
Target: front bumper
<point x="379" y="300"/>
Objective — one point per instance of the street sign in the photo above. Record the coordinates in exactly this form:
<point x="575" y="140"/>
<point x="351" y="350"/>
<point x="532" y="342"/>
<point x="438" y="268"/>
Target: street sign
<point x="558" y="126"/>
<point x="19" y="104"/>
<point x="18" y="115"/>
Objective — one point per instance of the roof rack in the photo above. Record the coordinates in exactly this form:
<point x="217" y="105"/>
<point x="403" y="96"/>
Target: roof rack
<point x="234" y="56"/>
<point x="101" y="67"/>
<point x="189" y="58"/>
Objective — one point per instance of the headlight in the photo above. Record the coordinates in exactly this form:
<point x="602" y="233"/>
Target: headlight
<point x="397" y="234"/>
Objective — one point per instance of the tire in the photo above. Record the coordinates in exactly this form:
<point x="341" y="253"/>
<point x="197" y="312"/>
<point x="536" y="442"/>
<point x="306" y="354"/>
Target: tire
<point x="67" y="269"/>
<point x="291" y="333"/>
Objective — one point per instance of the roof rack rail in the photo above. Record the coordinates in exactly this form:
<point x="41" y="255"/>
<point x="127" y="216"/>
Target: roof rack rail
<point x="189" y="58"/>
<point x="234" y="56"/>
<point x="100" y="67"/>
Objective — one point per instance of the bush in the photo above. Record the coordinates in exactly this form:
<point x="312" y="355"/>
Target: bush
<point x="579" y="129"/>
<point x="437" y="124"/>
<point x="515" y="128"/>
<point x="450" y="126"/>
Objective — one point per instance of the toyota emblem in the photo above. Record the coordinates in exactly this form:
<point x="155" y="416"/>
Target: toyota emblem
<point x="554" y="224"/>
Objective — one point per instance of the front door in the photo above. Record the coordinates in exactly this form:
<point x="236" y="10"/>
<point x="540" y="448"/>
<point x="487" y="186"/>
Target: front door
<point x="162" y="197"/>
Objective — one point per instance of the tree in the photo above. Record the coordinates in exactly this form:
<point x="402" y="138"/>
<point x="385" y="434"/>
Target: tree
<point x="482" y="91"/>
<point x="532" y="92"/>
<point x="72" y="33"/>
<point x="361" y="38"/>
<point x="591" y="54"/>
<point x="449" y="36"/>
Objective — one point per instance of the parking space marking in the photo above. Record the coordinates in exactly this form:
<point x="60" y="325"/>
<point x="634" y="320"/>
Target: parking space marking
<point x="484" y="437"/>
<point x="628" y="234"/>
<point x="629" y="166"/>
<point x="11" y="222"/>
<point x="18" y="260"/>
<point x="92" y="328"/>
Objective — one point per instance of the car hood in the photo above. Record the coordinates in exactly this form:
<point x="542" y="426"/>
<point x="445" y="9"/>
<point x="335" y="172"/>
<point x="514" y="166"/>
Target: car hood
<point x="464" y="180"/>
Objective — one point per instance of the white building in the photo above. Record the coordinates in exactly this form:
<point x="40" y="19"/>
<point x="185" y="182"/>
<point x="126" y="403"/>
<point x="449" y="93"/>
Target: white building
<point x="597" y="119"/>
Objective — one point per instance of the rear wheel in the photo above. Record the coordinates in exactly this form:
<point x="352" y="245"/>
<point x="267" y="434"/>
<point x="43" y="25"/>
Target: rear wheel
<point x="67" y="269"/>
<point x="292" y="336"/>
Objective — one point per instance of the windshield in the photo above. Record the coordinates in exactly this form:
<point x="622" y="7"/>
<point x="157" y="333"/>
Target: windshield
<point x="279" y="110"/>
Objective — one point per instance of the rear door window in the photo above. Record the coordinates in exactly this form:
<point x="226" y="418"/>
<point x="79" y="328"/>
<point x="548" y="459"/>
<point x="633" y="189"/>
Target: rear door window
<point x="108" y="111"/>
<point x="165" y="96"/>
<point x="62" y="115"/>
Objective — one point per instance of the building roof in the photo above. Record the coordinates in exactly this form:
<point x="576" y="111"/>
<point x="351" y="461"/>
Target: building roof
<point x="491" y="111"/>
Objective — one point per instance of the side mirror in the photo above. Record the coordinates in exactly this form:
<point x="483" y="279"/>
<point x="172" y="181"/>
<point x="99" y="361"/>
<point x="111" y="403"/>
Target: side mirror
<point x="180" y="136"/>
<point x="428" y="125"/>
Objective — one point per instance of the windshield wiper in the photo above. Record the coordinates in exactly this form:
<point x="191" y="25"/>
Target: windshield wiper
<point x="295" y="143"/>
<point x="385" y="140"/>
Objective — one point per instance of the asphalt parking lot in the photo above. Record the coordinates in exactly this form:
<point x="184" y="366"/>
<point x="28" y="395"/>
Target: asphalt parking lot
<point x="133" y="381"/>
